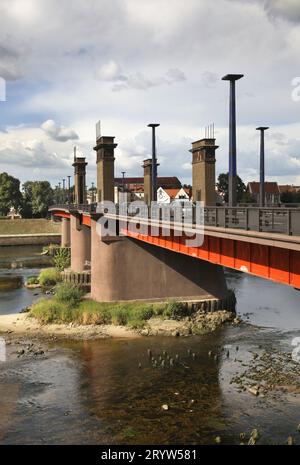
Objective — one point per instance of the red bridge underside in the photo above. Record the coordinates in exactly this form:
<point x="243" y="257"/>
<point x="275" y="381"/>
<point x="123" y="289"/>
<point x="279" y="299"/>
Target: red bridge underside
<point x="270" y="262"/>
<point x="275" y="263"/>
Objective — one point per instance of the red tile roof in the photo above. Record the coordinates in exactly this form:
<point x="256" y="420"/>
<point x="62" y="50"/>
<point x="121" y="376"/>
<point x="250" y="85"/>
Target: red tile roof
<point x="171" y="182"/>
<point x="289" y="188"/>
<point x="270" y="187"/>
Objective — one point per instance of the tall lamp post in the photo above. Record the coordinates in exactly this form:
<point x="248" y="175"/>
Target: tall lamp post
<point x="262" y="130"/>
<point x="69" y="189"/>
<point x="93" y="198"/>
<point x="154" y="162"/>
<point x="232" y="197"/>
<point x="64" y="190"/>
<point x="59" y="192"/>
<point x="123" y="180"/>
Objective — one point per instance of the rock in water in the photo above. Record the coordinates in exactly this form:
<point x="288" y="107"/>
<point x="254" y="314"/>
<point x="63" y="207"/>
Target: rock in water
<point x="217" y="440"/>
<point x="254" y="390"/>
<point x="290" y="441"/>
<point x="254" y="436"/>
<point x="165" y="407"/>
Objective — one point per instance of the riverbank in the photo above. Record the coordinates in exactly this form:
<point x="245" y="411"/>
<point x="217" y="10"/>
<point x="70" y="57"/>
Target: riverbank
<point x="20" y="324"/>
<point x="29" y="232"/>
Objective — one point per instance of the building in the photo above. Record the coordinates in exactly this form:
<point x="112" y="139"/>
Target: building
<point x="135" y="186"/>
<point x="289" y="188"/>
<point x="137" y="183"/>
<point x="13" y="214"/>
<point x="170" y="195"/>
<point x="272" y="193"/>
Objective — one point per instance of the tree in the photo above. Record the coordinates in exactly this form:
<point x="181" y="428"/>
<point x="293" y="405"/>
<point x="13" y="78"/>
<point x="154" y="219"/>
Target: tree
<point x="38" y="196"/>
<point x="222" y="185"/>
<point x="10" y="195"/>
<point x="290" y="197"/>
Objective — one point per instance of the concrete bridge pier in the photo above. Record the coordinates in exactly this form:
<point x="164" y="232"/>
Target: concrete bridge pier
<point x="81" y="245"/>
<point x="65" y="232"/>
<point x="123" y="268"/>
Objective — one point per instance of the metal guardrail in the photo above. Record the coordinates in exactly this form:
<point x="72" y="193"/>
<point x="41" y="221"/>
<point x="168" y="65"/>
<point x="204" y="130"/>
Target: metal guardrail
<point x="275" y="220"/>
<point x="86" y="208"/>
<point x="268" y="219"/>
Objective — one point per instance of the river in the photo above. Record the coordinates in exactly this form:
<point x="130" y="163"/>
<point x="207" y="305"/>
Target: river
<point x="108" y="392"/>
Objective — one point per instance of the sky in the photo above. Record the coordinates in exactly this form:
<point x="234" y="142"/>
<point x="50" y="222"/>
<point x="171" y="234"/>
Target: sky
<point x="65" y="65"/>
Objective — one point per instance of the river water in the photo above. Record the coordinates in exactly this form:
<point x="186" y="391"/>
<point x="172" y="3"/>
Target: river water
<point x="107" y="391"/>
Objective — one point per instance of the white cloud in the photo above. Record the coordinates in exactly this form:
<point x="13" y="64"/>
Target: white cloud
<point x="287" y="9"/>
<point x="174" y="53"/>
<point x="139" y="81"/>
<point x="112" y="72"/>
<point x="58" y="133"/>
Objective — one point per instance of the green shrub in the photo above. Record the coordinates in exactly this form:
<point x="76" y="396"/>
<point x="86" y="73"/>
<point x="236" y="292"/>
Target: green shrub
<point x="49" y="277"/>
<point x="32" y="280"/>
<point x="53" y="311"/>
<point x="67" y="306"/>
<point x="68" y="293"/>
<point x="62" y="258"/>
<point x="119" y="316"/>
<point x="176" y="310"/>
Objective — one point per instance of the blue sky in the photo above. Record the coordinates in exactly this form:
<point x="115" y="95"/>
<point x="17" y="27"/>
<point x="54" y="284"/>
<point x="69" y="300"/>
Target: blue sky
<point x="131" y="62"/>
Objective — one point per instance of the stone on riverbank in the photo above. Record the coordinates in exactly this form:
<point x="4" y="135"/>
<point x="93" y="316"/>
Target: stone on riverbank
<point x="199" y="323"/>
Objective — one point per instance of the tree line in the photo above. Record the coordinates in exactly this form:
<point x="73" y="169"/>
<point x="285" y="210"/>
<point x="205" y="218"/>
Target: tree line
<point x="31" y="200"/>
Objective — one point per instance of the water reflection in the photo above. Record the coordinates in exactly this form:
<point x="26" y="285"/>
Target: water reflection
<point x="16" y="265"/>
<point x="265" y="303"/>
<point x="95" y="392"/>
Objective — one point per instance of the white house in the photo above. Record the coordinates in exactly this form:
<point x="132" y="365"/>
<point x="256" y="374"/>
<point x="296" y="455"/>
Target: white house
<point x="171" y="195"/>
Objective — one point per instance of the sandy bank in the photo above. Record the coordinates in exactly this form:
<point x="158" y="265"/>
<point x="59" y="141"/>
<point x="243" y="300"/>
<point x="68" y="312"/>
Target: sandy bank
<point x="21" y="324"/>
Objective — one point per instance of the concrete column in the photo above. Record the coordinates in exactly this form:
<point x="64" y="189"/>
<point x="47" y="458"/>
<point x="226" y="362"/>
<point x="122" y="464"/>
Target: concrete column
<point x="128" y="269"/>
<point x="65" y="232"/>
<point x="80" y="245"/>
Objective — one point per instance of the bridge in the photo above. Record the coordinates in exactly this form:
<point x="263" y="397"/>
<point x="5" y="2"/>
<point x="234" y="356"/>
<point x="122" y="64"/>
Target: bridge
<point x="260" y="241"/>
<point x="137" y="263"/>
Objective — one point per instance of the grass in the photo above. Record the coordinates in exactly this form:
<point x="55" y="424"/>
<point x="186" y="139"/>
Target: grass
<point x="49" y="277"/>
<point x="32" y="280"/>
<point x="68" y="306"/>
<point x="28" y="226"/>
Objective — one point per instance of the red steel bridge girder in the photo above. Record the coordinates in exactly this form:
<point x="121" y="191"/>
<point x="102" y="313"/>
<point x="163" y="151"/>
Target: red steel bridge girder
<point x="274" y="263"/>
<point x="278" y="264"/>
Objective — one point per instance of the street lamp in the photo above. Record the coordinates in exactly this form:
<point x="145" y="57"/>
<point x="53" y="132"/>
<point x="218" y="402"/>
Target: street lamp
<point x="262" y="130"/>
<point x="232" y="182"/>
<point x="92" y="192"/>
<point x="154" y="162"/>
<point x="69" y="189"/>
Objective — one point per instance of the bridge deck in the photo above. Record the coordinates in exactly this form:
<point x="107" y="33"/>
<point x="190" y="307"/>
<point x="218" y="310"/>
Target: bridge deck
<point x="270" y="255"/>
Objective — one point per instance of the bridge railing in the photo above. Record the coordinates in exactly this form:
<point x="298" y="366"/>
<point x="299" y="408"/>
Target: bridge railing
<point x="268" y="219"/>
<point x="276" y="220"/>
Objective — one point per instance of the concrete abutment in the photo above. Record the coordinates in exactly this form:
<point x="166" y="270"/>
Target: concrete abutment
<point x="65" y="232"/>
<point x="123" y="269"/>
<point x="80" y="245"/>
